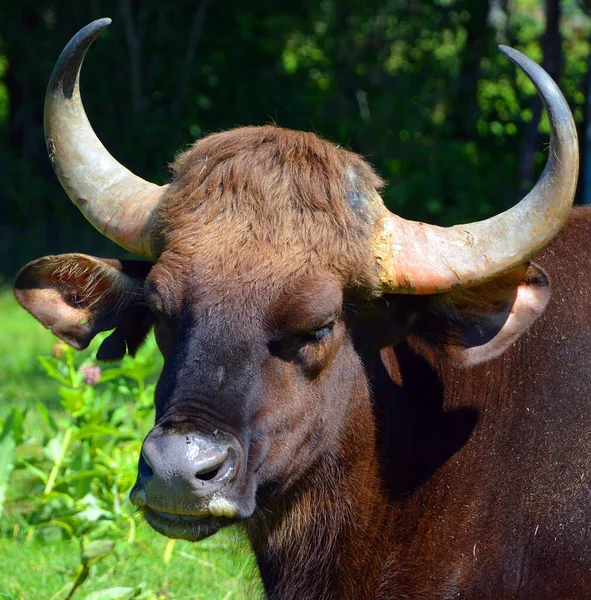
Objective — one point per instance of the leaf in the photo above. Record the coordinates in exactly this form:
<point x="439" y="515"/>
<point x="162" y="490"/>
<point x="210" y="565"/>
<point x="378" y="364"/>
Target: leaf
<point x="93" y="430"/>
<point x="76" y="475"/>
<point x="114" y="593"/>
<point x="51" y="370"/>
<point x="110" y="374"/>
<point x="53" y="449"/>
<point x="82" y="572"/>
<point x="93" y="510"/>
<point x="92" y="514"/>
<point x="137" y="369"/>
<point x="14" y="425"/>
<point x="36" y="471"/>
<point x="7" y="451"/>
<point x="46" y="416"/>
<point x="118" y="415"/>
<point x="72" y="399"/>
<point x="96" y="550"/>
<point x="62" y="525"/>
<point x="52" y="506"/>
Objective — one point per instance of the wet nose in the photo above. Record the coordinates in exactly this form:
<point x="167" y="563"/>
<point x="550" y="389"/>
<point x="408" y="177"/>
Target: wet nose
<point x="181" y="465"/>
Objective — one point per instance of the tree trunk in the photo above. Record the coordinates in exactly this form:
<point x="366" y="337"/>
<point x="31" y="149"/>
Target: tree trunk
<point x="552" y="63"/>
<point x="465" y="106"/>
<point x="133" y="34"/>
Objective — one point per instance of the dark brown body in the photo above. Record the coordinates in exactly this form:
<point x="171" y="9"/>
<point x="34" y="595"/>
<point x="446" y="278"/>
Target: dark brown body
<point x="508" y="515"/>
<point x="477" y="484"/>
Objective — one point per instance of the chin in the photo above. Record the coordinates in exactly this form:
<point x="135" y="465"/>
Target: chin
<point x="184" y="527"/>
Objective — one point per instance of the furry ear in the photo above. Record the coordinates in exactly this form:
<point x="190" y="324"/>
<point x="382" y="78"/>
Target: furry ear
<point x="473" y="325"/>
<point x="77" y="296"/>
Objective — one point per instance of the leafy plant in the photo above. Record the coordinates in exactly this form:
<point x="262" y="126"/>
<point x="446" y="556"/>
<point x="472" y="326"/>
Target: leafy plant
<point x="89" y="456"/>
<point x="10" y="436"/>
<point x="90" y="450"/>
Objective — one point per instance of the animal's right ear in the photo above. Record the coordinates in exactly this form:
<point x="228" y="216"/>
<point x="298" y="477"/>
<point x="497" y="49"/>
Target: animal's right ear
<point x="77" y="296"/>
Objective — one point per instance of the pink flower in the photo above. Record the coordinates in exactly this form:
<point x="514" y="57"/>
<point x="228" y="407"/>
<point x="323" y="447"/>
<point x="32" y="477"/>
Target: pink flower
<point x="91" y="374"/>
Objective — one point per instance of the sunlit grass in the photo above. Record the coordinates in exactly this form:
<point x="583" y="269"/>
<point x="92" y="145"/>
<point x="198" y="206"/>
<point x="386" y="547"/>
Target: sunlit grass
<point x="22" y="339"/>
<point x="43" y="569"/>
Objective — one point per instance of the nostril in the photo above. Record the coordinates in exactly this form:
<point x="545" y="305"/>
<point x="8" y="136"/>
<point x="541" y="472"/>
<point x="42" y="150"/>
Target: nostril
<point x="215" y="466"/>
<point x="144" y="468"/>
<point x="208" y="475"/>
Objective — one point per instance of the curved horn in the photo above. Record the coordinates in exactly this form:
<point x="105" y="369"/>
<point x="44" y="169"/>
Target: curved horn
<point x="117" y="202"/>
<point x="416" y="258"/>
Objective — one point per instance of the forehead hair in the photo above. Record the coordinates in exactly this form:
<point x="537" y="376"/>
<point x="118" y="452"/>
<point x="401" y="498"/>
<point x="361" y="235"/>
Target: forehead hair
<point x="272" y="200"/>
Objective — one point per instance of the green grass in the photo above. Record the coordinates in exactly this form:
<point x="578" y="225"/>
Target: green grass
<point x="41" y="564"/>
<point x="22" y="339"/>
<point x="39" y="569"/>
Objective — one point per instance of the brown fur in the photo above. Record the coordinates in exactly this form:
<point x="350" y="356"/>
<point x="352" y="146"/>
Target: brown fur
<point x="496" y="463"/>
<point x="507" y="513"/>
<point x="264" y="203"/>
<point x="319" y="540"/>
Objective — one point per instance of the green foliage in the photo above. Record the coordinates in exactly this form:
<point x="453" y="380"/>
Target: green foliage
<point x="90" y="450"/>
<point x="88" y="464"/>
<point x="10" y="436"/>
<point x="21" y="375"/>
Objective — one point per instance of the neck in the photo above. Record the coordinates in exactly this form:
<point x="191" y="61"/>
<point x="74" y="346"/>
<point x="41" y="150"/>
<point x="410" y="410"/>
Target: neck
<point x="322" y="541"/>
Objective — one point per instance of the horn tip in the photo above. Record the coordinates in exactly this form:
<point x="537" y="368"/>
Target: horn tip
<point x="510" y="52"/>
<point x="89" y="32"/>
<point x="100" y="24"/>
<point x="63" y="78"/>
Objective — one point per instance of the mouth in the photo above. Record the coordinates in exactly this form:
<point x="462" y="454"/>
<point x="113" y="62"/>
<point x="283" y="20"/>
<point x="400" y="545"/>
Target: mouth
<point x="192" y="528"/>
<point x="192" y="521"/>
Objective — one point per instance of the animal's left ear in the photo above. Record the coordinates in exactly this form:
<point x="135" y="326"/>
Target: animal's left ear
<point x="473" y="325"/>
<point x="77" y="296"/>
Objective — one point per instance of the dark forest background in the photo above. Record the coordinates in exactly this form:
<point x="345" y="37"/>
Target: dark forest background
<point x="416" y="86"/>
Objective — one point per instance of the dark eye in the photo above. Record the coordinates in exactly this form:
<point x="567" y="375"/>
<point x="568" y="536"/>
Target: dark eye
<point x="317" y="335"/>
<point x="288" y="346"/>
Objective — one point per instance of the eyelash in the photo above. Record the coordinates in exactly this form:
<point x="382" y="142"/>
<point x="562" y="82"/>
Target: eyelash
<point x="319" y="334"/>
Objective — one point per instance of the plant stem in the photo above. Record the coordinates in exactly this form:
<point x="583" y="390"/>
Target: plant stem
<point x="72" y="370"/>
<point x="168" y="551"/>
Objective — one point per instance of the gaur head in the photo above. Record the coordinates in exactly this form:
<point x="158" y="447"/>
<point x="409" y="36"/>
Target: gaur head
<point x="273" y="266"/>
